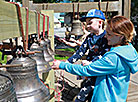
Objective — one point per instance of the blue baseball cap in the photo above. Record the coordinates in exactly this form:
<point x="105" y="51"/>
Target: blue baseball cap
<point x="94" y="13"/>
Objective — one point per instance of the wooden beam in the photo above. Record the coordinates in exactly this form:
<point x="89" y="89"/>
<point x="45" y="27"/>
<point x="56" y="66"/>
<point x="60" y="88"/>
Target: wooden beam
<point x="68" y="7"/>
<point x="9" y="21"/>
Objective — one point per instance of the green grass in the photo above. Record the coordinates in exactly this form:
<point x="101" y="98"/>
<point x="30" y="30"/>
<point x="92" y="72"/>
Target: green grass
<point x="67" y="49"/>
<point x="59" y="57"/>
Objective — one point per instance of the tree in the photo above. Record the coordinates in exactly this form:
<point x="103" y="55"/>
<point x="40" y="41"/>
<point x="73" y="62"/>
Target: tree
<point x="134" y="11"/>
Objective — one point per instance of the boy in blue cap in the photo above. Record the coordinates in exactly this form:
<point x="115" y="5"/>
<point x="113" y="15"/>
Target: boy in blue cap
<point x="96" y="44"/>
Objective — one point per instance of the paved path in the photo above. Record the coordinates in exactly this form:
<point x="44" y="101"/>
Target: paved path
<point x="133" y="89"/>
<point x="69" y="85"/>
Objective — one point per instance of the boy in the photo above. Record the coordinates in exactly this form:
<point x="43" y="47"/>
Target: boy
<point x="96" y="44"/>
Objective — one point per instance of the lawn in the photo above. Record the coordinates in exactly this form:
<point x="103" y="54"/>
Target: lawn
<point x="60" y="57"/>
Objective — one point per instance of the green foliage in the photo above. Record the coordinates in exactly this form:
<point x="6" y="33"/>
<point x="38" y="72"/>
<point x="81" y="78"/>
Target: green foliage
<point x="134" y="9"/>
<point x="79" y="0"/>
<point x="5" y="58"/>
<point x="19" y="0"/>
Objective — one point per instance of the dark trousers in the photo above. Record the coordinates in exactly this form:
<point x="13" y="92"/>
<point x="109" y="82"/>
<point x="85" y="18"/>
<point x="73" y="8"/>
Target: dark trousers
<point x="86" y="91"/>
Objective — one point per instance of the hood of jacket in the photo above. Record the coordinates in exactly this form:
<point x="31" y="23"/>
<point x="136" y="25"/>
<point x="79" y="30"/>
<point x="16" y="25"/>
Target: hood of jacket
<point x="129" y="55"/>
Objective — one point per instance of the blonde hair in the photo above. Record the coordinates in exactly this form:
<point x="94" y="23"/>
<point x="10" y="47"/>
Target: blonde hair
<point x="122" y="25"/>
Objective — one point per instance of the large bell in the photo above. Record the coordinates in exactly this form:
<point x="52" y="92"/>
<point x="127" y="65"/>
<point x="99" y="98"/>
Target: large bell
<point x="76" y="27"/>
<point x="48" y="57"/>
<point x="42" y="65"/>
<point x="29" y="87"/>
<point x="48" y="42"/>
<point x="7" y="88"/>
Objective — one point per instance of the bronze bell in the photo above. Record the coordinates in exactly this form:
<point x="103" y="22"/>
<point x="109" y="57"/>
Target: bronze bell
<point x="48" y="42"/>
<point x="42" y="65"/>
<point x="76" y="28"/>
<point x="29" y="87"/>
<point x="46" y="53"/>
<point x="7" y="88"/>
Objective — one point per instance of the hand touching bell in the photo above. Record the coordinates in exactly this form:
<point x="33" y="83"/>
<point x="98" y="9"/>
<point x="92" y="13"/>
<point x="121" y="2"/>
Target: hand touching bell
<point x="56" y="64"/>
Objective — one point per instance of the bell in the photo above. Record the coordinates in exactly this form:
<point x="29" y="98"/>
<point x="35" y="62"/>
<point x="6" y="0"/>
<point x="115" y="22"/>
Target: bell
<point x="7" y="88"/>
<point x="42" y="65"/>
<point x="29" y="87"/>
<point x="76" y="27"/>
<point x="46" y="53"/>
<point x="48" y="42"/>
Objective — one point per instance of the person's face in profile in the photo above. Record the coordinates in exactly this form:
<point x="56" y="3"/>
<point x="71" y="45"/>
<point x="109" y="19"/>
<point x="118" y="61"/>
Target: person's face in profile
<point x="92" y="25"/>
<point x="114" y="39"/>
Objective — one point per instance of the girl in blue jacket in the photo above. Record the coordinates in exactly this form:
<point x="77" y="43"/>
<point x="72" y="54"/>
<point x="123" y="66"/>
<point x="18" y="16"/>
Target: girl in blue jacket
<point x="114" y="68"/>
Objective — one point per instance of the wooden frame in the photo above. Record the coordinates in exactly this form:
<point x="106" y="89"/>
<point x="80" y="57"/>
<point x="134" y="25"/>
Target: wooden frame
<point x="114" y="6"/>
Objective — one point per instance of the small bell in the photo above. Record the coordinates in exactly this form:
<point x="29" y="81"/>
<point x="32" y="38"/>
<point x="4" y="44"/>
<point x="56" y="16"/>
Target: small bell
<point x="76" y="27"/>
<point x="46" y="53"/>
<point x="48" y="42"/>
<point x="42" y="65"/>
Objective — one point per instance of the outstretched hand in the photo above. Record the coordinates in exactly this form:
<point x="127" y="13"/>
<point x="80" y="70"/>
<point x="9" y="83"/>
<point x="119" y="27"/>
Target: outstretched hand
<point x="56" y="64"/>
<point x="85" y="62"/>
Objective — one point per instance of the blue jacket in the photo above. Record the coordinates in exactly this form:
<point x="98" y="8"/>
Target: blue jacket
<point x="112" y="71"/>
<point x="97" y="46"/>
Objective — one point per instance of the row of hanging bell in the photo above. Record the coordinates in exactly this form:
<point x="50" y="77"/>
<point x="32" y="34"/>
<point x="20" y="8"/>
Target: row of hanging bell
<point x="29" y="87"/>
<point x="7" y="88"/>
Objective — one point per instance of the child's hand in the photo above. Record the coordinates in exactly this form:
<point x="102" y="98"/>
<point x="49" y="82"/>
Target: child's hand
<point x="85" y="62"/>
<point x="56" y="64"/>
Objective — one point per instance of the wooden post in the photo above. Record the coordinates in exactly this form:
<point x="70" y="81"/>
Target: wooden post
<point x="120" y="8"/>
<point x="49" y="77"/>
<point x="25" y="3"/>
<point x="127" y="8"/>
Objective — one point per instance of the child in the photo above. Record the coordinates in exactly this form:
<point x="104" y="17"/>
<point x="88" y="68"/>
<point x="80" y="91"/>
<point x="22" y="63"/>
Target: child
<point x="95" y="43"/>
